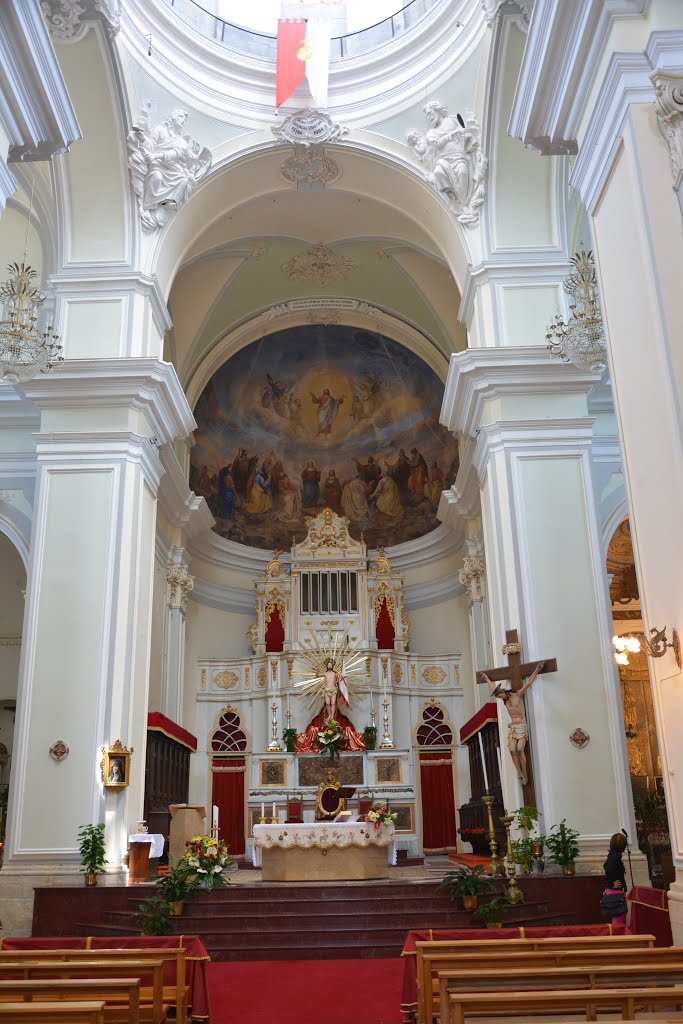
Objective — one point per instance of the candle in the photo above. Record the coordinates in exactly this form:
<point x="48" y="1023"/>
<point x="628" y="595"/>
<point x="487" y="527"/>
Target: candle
<point x="263" y="810"/>
<point x="500" y="767"/>
<point x="273" y="808"/>
<point x="483" y="763"/>
<point x="215" y="817"/>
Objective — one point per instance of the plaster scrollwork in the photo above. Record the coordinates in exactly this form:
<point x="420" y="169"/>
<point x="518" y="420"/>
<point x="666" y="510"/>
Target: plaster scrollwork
<point x="492" y="7"/>
<point x="319" y="264"/>
<point x="165" y="166"/>
<point x="473" y="578"/>
<point x="452" y="158"/>
<point x="310" y="168"/>
<point x="180" y="586"/>
<point x="669" y="109"/>
<point x="66" y="19"/>
<point x="309" y="128"/>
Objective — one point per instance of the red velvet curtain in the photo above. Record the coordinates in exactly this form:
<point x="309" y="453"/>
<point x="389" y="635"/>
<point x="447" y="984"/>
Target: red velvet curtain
<point x="438" y="803"/>
<point x="228" y="796"/>
<point x="275" y="632"/>
<point x="385" y="632"/>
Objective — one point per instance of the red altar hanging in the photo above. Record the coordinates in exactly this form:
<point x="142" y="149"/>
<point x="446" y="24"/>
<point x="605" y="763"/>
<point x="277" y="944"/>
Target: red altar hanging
<point x="307" y="741"/>
<point x="438" y="803"/>
<point x="228" y="796"/>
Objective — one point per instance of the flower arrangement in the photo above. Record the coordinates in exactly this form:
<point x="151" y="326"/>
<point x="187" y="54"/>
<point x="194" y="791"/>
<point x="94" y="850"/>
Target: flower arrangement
<point x="207" y="857"/>
<point x="379" y="814"/>
<point x="331" y="738"/>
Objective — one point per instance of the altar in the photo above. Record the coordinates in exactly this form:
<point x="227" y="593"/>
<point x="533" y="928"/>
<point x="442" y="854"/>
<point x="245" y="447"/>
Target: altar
<point x="323" y="851"/>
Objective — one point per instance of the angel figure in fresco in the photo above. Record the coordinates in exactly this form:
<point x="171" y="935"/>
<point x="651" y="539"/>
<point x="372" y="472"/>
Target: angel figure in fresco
<point x="328" y="409"/>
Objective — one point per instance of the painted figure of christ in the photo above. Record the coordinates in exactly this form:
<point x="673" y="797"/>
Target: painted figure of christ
<point x="328" y="407"/>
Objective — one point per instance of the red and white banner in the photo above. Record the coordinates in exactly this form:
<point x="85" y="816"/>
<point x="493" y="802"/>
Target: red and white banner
<point x="303" y="51"/>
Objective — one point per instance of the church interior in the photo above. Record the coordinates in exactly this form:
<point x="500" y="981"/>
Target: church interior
<point x="341" y="479"/>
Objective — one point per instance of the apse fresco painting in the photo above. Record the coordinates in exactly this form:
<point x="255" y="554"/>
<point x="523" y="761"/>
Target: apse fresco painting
<point x="318" y="416"/>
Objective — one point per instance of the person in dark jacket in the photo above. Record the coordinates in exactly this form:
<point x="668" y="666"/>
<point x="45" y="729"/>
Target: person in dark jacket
<point x="615" y="872"/>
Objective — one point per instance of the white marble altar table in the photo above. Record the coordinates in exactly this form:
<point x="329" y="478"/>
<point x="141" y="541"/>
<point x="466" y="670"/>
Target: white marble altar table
<point x="323" y="850"/>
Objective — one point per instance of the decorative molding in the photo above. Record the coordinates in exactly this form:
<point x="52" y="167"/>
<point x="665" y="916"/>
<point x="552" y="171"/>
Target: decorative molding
<point x="329" y="304"/>
<point x="319" y="264"/>
<point x="165" y="166"/>
<point x="669" y="109"/>
<point x="8" y="184"/>
<point x="35" y="109"/>
<point x="56" y="450"/>
<point x="491" y="8"/>
<point x="473" y="578"/>
<point x="87" y="285"/>
<point x="67" y="19"/>
<point x="452" y="157"/>
<point x="309" y="128"/>
<point x="180" y="586"/>
<point x="10" y="640"/>
<point x="310" y="168"/>
<point x="182" y="507"/>
<point x="556" y="77"/>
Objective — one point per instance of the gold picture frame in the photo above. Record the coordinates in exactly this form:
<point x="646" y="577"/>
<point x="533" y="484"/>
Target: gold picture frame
<point x="116" y="766"/>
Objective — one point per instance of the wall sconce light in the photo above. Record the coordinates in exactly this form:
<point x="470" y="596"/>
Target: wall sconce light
<point x="655" y="646"/>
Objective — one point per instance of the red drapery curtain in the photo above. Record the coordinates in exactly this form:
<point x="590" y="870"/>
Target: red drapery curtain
<point x="228" y="796"/>
<point x="385" y="632"/>
<point x="275" y="632"/>
<point x="438" y="803"/>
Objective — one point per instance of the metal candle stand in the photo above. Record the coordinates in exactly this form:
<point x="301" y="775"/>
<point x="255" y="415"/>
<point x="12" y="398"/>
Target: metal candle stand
<point x="274" y="744"/>
<point x="496" y="865"/>
<point x="513" y="892"/>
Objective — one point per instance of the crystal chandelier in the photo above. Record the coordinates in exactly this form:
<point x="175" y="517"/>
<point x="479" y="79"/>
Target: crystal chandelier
<point x="25" y="350"/>
<point x="582" y="340"/>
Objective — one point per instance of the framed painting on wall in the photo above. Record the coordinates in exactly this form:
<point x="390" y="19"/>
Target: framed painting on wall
<point x="116" y="766"/>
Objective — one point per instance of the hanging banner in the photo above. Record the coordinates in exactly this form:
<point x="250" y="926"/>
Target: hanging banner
<point x="303" y="51"/>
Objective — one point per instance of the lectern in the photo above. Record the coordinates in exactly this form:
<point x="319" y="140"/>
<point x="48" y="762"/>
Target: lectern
<point x="187" y="820"/>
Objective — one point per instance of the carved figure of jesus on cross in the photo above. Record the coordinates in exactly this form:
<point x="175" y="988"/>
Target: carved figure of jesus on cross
<point x="521" y="676"/>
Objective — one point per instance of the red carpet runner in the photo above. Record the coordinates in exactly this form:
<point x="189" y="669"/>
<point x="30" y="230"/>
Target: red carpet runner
<point x="305" y="992"/>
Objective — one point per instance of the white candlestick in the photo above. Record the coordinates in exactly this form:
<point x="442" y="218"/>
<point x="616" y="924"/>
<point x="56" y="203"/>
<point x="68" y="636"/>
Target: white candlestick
<point x="500" y="768"/>
<point x="273" y="808"/>
<point x="263" y="810"/>
<point x="483" y="763"/>
<point x="214" y="820"/>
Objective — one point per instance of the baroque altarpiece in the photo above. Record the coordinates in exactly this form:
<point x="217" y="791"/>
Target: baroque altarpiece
<point x="329" y="592"/>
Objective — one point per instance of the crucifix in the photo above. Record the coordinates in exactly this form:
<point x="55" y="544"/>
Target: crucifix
<point x="521" y="676"/>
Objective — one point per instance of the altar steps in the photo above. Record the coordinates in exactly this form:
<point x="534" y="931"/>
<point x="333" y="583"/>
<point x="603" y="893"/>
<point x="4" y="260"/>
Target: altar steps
<point x="263" y="921"/>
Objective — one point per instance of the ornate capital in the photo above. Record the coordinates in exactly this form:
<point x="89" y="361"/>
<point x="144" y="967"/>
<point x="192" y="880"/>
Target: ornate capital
<point x="66" y="18"/>
<point x="473" y="577"/>
<point x="669" y="109"/>
<point x="180" y="586"/>
<point x="492" y="7"/>
<point x="453" y="161"/>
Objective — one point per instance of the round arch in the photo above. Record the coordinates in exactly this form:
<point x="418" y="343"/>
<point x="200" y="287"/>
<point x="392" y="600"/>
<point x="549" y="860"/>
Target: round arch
<point x="17" y="529"/>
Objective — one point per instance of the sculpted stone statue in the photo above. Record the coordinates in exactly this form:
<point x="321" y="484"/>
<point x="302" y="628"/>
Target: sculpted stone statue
<point x="165" y="167"/>
<point x="451" y="154"/>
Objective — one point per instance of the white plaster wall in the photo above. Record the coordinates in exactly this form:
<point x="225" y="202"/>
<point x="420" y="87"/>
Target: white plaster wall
<point x="12" y="582"/>
<point x="13" y="239"/>
<point x="209" y="634"/>
<point x="156" y="663"/>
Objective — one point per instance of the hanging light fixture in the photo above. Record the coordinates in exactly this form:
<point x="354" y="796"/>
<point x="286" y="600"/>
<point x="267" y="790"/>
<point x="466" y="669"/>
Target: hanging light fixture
<point x="655" y="646"/>
<point x="25" y="350"/>
<point x="581" y="341"/>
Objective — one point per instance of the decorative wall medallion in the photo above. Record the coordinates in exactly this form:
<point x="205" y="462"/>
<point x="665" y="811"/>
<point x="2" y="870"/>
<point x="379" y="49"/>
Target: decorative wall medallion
<point x="225" y="680"/>
<point x="451" y="155"/>
<point x="259" y="252"/>
<point x="261" y="676"/>
<point x="669" y="109"/>
<point x="59" y="750"/>
<point x="388" y="769"/>
<point x="311" y="167"/>
<point x="309" y="128"/>
<point x="579" y="739"/>
<point x="433" y="675"/>
<point x="272" y="773"/>
<point x="319" y="264"/>
<point x="397" y="673"/>
<point x="165" y="166"/>
<point x="180" y="586"/>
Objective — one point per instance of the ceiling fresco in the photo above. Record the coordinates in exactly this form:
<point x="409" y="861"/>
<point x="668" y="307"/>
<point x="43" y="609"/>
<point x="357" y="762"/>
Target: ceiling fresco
<point x="319" y="416"/>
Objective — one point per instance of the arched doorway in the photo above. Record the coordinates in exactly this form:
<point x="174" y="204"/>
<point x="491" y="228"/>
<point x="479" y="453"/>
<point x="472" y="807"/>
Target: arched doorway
<point x="228" y="775"/>
<point x="435" y="744"/>
<point x="12" y="589"/>
<point x="644" y="762"/>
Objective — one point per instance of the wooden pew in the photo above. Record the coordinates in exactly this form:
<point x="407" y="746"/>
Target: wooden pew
<point x="178" y="993"/>
<point x="52" y="1013"/>
<point x="588" y="1001"/>
<point x="534" y="977"/>
<point x="121" y="996"/>
<point x="67" y="969"/>
<point x="433" y="956"/>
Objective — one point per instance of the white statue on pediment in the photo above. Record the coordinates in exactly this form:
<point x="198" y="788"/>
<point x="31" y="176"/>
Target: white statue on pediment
<point x="165" y="167"/>
<point x="451" y="154"/>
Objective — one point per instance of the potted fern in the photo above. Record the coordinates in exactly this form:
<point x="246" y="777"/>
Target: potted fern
<point x="468" y="884"/>
<point x="563" y="846"/>
<point x="91" y="849"/>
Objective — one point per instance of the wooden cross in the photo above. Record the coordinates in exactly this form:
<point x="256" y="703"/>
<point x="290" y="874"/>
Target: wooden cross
<point x="517" y="671"/>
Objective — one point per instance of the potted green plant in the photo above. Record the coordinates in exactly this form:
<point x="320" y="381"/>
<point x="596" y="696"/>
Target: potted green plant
<point x="370" y="737"/>
<point x="91" y="848"/>
<point x="563" y="846"/>
<point x="468" y="884"/>
<point x="526" y="818"/>
<point x="289" y="739"/>
<point x="523" y="853"/>
<point x="174" y="887"/>
<point x="154" y="916"/>
<point x="492" y="912"/>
